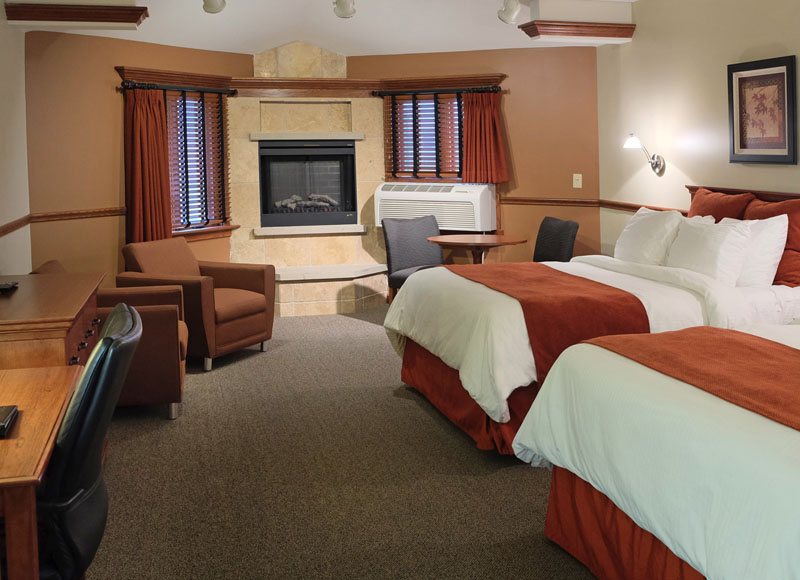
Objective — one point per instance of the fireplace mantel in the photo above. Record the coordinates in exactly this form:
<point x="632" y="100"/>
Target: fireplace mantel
<point x="307" y="136"/>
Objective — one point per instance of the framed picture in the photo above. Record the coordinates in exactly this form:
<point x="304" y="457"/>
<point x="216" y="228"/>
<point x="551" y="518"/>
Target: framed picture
<point x="762" y="107"/>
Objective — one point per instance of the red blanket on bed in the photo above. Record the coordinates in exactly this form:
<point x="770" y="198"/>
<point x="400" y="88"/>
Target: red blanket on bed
<point x="755" y="373"/>
<point x="560" y="309"/>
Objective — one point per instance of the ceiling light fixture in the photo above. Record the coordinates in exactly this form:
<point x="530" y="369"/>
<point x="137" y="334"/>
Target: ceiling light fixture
<point x="509" y="12"/>
<point x="344" y="8"/>
<point x="656" y="161"/>
<point x="213" y="6"/>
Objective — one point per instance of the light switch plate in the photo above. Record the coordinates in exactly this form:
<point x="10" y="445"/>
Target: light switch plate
<point x="577" y="180"/>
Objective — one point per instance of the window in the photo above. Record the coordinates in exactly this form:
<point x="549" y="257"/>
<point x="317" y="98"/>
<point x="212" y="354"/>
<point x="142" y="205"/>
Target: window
<point x="423" y="136"/>
<point x="196" y="149"/>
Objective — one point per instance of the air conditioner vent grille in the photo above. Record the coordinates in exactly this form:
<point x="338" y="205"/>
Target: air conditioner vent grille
<point x="420" y="187"/>
<point x="450" y="215"/>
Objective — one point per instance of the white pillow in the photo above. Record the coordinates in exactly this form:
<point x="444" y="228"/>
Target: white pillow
<point x="716" y="250"/>
<point x="648" y="236"/>
<point x="764" y="252"/>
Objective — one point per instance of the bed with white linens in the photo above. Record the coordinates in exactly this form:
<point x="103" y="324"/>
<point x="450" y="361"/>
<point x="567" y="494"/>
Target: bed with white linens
<point x="716" y="483"/>
<point x="685" y="272"/>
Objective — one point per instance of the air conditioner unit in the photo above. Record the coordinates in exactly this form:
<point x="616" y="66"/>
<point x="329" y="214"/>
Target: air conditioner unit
<point x="468" y="207"/>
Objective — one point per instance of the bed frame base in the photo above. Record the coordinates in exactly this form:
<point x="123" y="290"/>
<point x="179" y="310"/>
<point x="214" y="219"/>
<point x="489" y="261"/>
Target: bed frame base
<point x="602" y="537"/>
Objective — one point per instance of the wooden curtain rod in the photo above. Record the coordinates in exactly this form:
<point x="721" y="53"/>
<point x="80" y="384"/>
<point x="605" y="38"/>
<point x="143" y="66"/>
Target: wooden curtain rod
<point x="491" y="89"/>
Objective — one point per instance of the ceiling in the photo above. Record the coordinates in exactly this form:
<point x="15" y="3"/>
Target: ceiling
<point x="378" y="27"/>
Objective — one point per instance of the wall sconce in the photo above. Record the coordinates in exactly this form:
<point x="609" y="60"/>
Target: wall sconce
<point x="213" y="6"/>
<point x="656" y="161"/>
<point x="344" y="8"/>
<point x="509" y="12"/>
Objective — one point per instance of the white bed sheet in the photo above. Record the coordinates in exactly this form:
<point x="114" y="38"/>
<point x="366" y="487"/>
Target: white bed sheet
<point x="716" y="483"/>
<point x="481" y="332"/>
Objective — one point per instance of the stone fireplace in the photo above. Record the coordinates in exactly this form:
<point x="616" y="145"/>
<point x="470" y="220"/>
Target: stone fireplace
<point x="326" y="266"/>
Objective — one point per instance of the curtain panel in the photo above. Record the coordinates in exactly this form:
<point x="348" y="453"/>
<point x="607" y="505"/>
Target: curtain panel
<point x="484" y="151"/>
<point x="147" y="188"/>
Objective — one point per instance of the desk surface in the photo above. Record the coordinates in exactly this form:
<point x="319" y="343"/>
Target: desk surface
<point x="46" y="298"/>
<point x="42" y="396"/>
<point x="476" y="240"/>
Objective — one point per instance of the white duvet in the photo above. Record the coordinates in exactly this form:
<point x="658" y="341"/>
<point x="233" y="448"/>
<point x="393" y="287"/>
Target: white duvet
<point x="716" y="483"/>
<point x="481" y="332"/>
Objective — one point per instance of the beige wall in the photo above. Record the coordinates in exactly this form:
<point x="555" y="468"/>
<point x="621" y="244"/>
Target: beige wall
<point x="75" y="138"/>
<point x="15" y="248"/>
<point x="669" y="86"/>
<point x="550" y="110"/>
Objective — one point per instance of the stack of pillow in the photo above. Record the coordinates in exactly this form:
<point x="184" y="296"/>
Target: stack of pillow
<point x="737" y="239"/>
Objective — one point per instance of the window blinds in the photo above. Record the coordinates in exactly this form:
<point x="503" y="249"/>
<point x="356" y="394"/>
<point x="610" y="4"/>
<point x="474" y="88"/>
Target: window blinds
<point x="196" y="148"/>
<point x="422" y="135"/>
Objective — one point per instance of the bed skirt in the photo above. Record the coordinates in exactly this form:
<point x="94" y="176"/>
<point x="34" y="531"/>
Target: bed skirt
<point x="440" y="384"/>
<point x="589" y="526"/>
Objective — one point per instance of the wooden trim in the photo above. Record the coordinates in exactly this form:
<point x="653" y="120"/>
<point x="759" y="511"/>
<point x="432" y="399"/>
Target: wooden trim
<point x="634" y="207"/>
<point x="76" y="13"/>
<point x="549" y="201"/>
<point x="537" y="28"/>
<point x="14" y="225"/>
<point x="168" y="77"/>
<point x="76" y="214"/>
<point x="197" y="234"/>
<point x="765" y="195"/>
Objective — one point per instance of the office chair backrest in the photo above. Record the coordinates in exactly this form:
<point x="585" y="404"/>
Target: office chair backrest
<point x="555" y="241"/>
<point x="72" y="501"/>
<point x="407" y="242"/>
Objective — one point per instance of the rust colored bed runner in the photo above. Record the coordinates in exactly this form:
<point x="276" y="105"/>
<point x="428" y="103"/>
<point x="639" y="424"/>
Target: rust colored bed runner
<point x="560" y="309"/>
<point x="749" y="371"/>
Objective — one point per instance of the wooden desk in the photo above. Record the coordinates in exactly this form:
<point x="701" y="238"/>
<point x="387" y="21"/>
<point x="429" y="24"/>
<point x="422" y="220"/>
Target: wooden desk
<point x="478" y="244"/>
<point x="49" y="320"/>
<point x="42" y="395"/>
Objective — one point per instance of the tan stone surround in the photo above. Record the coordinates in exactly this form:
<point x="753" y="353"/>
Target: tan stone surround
<point x="248" y="115"/>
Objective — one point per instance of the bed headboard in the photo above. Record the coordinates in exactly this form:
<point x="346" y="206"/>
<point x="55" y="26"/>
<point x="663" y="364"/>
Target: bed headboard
<point x="765" y="195"/>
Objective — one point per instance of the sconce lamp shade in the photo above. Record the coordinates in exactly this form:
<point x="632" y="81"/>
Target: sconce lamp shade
<point x="213" y="6"/>
<point x="656" y="161"/>
<point x="344" y="8"/>
<point x="632" y="142"/>
<point x="509" y="12"/>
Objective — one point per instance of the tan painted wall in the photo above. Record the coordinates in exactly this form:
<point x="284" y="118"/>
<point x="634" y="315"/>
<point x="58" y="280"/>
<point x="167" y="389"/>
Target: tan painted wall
<point x="550" y="110"/>
<point x="669" y="86"/>
<point x="75" y="138"/>
<point x="15" y="249"/>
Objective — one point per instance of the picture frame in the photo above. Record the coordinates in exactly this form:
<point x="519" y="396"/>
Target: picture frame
<point x="762" y="111"/>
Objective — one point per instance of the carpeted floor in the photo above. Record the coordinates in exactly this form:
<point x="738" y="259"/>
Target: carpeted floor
<point x="313" y="460"/>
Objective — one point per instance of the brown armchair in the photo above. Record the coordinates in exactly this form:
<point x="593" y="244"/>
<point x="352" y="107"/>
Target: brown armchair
<point x="159" y="365"/>
<point x="156" y="373"/>
<point x="227" y="306"/>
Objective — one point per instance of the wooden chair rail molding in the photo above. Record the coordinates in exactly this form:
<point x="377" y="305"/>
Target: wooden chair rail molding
<point x="292" y="87"/>
<point x="54" y="216"/>
<point x="549" y="201"/>
<point x="537" y="28"/>
<point x="130" y="15"/>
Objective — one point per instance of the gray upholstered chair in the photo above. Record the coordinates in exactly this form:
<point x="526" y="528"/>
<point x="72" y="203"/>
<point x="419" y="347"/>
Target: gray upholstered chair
<point x="555" y="241"/>
<point x="408" y="249"/>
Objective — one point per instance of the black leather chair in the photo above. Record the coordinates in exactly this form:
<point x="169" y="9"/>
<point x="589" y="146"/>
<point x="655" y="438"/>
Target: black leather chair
<point x="408" y="249"/>
<point x="72" y="501"/>
<point x="555" y="241"/>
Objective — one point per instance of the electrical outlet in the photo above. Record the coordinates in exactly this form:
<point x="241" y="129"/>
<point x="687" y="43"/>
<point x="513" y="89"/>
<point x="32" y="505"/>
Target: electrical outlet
<point x="577" y="180"/>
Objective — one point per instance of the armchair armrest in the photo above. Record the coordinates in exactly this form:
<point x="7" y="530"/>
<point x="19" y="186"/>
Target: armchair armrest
<point x="254" y="277"/>
<point x="198" y="300"/>
<point x="142" y="296"/>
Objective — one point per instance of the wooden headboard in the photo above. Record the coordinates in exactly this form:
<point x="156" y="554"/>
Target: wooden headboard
<point x="765" y="195"/>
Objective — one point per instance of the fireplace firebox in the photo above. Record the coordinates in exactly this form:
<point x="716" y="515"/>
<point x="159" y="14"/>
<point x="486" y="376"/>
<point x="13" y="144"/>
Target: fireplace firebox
<point x="307" y="183"/>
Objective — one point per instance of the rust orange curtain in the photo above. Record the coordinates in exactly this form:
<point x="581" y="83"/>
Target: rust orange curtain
<point x="484" y="152"/>
<point x="147" y="196"/>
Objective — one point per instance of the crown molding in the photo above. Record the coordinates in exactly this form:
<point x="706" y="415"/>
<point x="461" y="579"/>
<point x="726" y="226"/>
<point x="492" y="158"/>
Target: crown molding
<point x="116" y="16"/>
<point x="545" y="28"/>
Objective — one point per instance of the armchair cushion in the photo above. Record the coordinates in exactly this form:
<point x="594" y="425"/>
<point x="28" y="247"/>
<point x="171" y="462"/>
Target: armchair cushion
<point x="232" y="303"/>
<point x="170" y="256"/>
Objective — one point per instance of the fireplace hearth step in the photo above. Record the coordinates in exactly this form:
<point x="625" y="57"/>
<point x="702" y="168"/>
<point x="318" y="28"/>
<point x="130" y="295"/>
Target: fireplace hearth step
<point x="283" y="231"/>
<point x="334" y="272"/>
